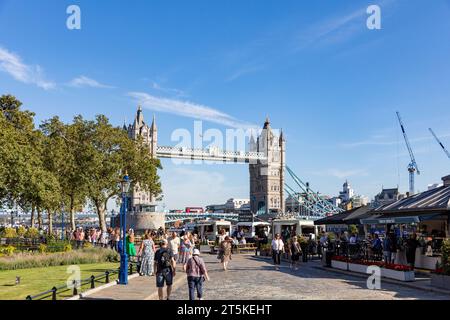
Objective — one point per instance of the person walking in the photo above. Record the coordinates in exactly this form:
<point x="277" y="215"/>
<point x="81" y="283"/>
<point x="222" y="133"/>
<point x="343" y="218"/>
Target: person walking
<point x="147" y="254"/>
<point x="226" y="251"/>
<point x="185" y="253"/>
<point x="174" y="245"/>
<point x="130" y="247"/>
<point x="387" y="247"/>
<point x="196" y="274"/>
<point x="277" y="250"/>
<point x="165" y="269"/>
<point x="296" y="251"/>
<point x="411" y="247"/>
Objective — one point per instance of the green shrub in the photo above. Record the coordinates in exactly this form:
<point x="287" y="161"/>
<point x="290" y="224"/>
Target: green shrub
<point x="9" y="233"/>
<point x="353" y="229"/>
<point x="42" y="248"/>
<point x="8" y="251"/>
<point x="21" y="231"/>
<point x="445" y="259"/>
<point x="68" y="247"/>
<point x="32" y="233"/>
<point x="87" y="245"/>
<point x="58" y="246"/>
<point x="42" y="260"/>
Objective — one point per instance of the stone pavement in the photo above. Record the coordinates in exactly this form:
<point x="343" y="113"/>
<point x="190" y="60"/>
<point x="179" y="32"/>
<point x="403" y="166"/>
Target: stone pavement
<point x="254" y="278"/>
<point x="138" y="288"/>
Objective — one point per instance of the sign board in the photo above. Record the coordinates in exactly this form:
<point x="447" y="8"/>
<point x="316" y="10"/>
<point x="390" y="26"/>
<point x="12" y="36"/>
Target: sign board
<point x="336" y="228"/>
<point x="246" y="217"/>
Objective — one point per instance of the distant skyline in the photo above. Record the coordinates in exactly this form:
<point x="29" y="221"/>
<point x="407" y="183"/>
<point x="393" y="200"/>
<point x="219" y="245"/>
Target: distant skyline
<point x="313" y="67"/>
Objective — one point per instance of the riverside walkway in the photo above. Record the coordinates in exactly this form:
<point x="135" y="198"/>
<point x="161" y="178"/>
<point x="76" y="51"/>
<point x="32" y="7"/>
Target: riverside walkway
<point x="254" y="278"/>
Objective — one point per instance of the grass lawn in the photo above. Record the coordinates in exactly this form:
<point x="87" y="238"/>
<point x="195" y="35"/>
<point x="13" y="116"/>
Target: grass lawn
<point x="36" y="280"/>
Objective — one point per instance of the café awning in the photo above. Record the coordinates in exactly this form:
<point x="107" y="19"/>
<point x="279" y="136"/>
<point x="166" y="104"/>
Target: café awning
<point x="399" y="219"/>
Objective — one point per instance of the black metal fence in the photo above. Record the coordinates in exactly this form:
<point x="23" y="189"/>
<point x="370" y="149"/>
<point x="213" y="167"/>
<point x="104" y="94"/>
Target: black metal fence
<point x="103" y="278"/>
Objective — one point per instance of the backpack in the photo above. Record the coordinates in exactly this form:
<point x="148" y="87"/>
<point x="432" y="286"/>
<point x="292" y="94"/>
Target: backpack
<point x="165" y="261"/>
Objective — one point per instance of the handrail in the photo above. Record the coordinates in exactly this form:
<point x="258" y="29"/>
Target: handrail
<point x="91" y="280"/>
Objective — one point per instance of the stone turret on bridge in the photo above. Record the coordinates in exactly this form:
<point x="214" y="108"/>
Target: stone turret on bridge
<point x="266" y="159"/>
<point x="267" y="176"/>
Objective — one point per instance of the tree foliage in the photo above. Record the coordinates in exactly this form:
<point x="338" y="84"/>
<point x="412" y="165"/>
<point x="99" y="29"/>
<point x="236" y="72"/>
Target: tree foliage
<point x="62" y="167"/>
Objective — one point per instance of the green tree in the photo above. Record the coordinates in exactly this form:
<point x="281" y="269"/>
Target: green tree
<point x="24" y="178"/>
<point x="112" y="154"/>
<point x="16" y="150"/>
<point x="65" y="157"/>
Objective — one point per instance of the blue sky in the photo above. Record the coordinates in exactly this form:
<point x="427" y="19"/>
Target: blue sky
<point x="312" y="66"/>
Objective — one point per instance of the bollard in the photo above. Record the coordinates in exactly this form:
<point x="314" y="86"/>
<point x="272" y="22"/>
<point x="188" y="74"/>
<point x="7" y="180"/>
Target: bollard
<point x="107" y="277"/>
<point x="54" y="293"/>
<point x="92" y="282"/>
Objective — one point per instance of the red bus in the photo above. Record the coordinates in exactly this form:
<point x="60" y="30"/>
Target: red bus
<point x="195" y="210"/>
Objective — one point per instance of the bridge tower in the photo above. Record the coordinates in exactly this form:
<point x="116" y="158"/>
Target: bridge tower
<point x="139" y="128"/>
<point x="267" y="176"/>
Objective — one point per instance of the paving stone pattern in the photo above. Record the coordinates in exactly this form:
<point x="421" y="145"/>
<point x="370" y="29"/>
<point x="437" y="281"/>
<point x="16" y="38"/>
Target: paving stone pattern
<point x="254" y="278"/>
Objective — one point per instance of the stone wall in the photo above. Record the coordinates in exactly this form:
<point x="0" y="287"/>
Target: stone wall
<point x="144" y="221"/>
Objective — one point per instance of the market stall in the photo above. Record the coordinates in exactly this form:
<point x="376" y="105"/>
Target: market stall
<point x="210" y="229"/>
<point x="288" y="228"/>
<point x="253" y="229"/>
<point x="425" y="215"/>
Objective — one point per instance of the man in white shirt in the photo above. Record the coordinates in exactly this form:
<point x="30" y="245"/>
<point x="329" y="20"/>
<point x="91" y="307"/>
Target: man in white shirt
<point x="174" y="245"/>
<point x="277" y="250"/>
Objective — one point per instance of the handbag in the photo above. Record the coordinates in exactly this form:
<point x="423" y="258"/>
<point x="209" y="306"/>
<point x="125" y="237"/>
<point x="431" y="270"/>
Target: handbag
<point x="203" y="277"/>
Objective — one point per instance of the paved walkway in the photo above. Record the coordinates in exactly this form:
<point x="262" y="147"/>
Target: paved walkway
<point x="138" y="288"/>
<point x="254" y="278"/>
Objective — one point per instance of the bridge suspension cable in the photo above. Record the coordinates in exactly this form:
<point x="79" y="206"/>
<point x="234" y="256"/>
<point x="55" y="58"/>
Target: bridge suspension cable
<point x="312" y="200"/>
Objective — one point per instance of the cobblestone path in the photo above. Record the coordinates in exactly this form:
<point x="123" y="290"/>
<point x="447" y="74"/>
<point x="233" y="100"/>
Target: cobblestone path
<point x="254" y="278"/>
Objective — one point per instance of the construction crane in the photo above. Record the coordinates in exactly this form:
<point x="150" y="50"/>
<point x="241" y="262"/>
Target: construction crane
<point x="440" y="143"/>
<point x="412" y="167"/>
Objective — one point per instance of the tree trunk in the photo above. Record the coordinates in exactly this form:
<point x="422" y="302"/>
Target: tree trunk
<point x="39" y="217"/>
<point x="33" y="222"/>
<point x="101" y="214"/>
<point x="72" y="213"/>
<point x="50" y="222"/>
<point x="72" y="219"/>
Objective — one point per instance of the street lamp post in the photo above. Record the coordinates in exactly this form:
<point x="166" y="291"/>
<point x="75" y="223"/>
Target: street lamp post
<point x="123" y="273"/>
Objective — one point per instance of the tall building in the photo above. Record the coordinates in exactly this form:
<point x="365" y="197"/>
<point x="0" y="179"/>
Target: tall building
<point x="347" y="192"/>
<point x="387" y="196"/>
<point x="142" y="201"/>
<point x="267" y="177"/>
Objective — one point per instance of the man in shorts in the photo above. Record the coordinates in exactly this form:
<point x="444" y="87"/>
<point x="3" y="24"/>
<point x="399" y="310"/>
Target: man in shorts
<point x="174" y="244"/>
<point x="165" y="269"/>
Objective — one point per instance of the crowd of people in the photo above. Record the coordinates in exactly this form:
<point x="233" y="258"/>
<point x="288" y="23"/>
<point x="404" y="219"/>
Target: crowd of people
<point x="388" y="248"/>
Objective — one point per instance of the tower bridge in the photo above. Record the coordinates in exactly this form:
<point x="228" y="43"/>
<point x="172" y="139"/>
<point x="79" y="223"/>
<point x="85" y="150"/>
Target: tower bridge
<point x="210" y="154"/>
<point x="265" y="158"/>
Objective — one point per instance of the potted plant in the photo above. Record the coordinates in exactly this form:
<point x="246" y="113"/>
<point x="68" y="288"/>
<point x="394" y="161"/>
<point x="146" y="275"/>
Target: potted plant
<point x="440" y="278"/>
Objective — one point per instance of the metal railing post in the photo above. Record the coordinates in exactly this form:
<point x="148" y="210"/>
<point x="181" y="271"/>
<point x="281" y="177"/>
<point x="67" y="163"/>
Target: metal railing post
<point x="92" y="282"/>
<point x="107" y="277"/>
<point x="75" y="289"/>
<point x="29" y="298"/>
<point x="54" y="293"/>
